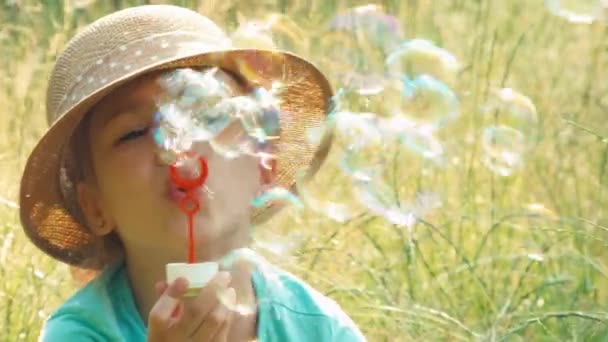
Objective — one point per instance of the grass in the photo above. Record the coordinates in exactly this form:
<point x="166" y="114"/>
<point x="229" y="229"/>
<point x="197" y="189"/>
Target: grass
<point x="505" y="259"/>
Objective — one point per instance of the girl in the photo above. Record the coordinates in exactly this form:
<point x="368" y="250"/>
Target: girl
<point x="95" y="194"/>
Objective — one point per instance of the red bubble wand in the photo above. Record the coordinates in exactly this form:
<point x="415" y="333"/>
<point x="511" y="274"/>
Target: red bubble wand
<point x="190" y="204"/>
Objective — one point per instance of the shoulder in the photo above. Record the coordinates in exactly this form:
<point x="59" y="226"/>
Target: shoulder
<point x="87" y="314"/>
<point x="65" y="327"/>
<point x="303" y="313"/>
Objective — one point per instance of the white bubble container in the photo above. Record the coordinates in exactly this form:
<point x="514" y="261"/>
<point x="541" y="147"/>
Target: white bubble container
<point x="197" y="274"/>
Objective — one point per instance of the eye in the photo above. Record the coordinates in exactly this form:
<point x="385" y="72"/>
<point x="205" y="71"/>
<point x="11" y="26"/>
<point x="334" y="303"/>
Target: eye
<point x="132" y="135"/>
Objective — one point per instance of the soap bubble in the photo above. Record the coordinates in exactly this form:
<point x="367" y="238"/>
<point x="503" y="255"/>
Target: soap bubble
<point x="265" y="125"/>
<point x="357" y="128"/>
<point x="256" y="124"/>
<point x="368" y="94"/>
<point x="383" y="200"/>
<point x="425" y="100"/>
<point x="276" y="31"/>
<point x="339" y="212"/>
<point x="336" y="203"/>
<point x="233" y="142"/>
<point x="188" y="87"/>
<point x="276" y="195"/>
<point x="200" y="107"/>
<point x="429" y="101"/>
<point x="357" y="42"/>
<point x="347" y="60"/>
<point x="367" y="144"/>
<point x="419" y="57"/>
<point x="365" y="162"/>
<point x="579" y="11"/>
<point x="512" y="132"/>
<point x="507" y="107"/>
<point x="504" y="148"/>
<point x="189" y="111"/>
<point x="363" y="87"/>
<point x="419" y="140"/>
<point x="172" y="133"/>
<point x="361" y="140"/>
<point x="365" y="139"/>
<point x="351" y="131"/>
<point x="357" y="164"/>
<point x="369" y="24"/>
<point x="356" y="135"/>
<point x="252" y="35"/>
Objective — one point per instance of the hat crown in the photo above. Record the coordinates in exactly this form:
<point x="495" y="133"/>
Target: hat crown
<point x="100" y="42"/>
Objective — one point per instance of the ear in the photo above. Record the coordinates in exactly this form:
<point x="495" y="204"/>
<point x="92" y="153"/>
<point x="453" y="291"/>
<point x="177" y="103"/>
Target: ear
<point x="89" y="200"/>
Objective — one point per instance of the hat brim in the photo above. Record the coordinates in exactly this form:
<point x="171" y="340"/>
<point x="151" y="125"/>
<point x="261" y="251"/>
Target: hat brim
<point x="305" y="99"/>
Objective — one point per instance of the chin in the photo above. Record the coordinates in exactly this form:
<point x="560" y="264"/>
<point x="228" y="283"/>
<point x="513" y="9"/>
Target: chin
<point x="207" y="226"/>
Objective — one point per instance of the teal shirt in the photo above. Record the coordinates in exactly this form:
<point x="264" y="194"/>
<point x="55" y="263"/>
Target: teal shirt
<point x="288" y="310"/>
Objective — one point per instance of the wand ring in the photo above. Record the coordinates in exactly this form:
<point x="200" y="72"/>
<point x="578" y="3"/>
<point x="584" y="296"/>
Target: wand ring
<point x="190" y="184"/>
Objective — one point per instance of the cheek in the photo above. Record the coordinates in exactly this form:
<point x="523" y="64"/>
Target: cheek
<point x="234" y="182"/>
<point x="126" y="174"/>
<point x="133" y="186"/>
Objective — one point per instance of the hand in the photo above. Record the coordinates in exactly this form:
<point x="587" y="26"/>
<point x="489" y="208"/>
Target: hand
<point x="201" y="318"/>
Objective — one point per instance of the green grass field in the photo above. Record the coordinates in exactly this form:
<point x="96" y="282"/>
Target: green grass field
<point x="519" y="258"/>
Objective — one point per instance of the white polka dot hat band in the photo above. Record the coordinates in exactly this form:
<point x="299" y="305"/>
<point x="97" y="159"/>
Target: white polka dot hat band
<point x="127" y="44"/>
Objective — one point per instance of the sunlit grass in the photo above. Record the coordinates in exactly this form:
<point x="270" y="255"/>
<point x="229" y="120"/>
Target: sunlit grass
<point x="517" y="258"/>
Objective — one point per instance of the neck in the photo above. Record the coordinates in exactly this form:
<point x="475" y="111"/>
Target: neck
<point x="146" y="269"/>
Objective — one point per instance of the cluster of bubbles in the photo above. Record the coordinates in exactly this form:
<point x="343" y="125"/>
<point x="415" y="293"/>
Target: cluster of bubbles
<point x="200" y="107"/>
<point x="393" y="95"/>
<point x="390" y="91"/>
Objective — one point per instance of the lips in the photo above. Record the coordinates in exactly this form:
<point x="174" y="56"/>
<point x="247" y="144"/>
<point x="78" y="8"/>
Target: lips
<point x="176" y="194"/>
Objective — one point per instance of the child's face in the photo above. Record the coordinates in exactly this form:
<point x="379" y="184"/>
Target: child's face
<point x="132" y="193"/>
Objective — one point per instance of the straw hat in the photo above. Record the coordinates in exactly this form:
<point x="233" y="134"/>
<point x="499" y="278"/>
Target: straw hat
<point x="122" y="46"/>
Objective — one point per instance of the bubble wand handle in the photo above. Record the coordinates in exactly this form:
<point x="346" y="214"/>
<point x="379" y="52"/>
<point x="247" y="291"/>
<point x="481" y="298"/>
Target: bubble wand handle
<point x="190" y="204"/>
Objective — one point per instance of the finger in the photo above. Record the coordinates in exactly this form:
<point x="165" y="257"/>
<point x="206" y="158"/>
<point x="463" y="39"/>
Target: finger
<point x="202" y="304"/>
<point x="215" y="321"/>
<point x="160" y="287"/>
<point x="222" y="334"/>
<point x="160" y="317"/>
